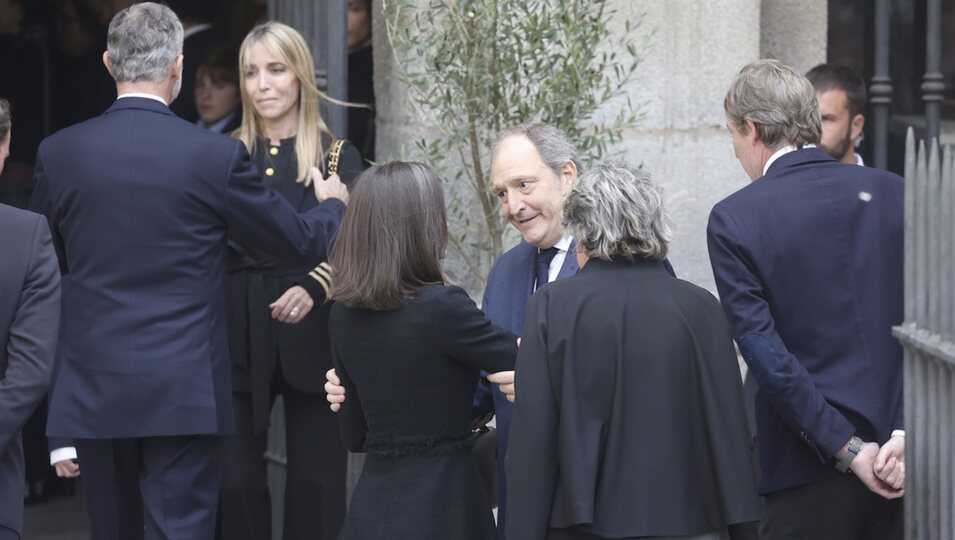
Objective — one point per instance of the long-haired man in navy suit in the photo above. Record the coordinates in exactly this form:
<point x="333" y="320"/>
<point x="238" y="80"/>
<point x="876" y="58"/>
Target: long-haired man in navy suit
<point x="808" y="263"/>
<point x="140" y="204"/>
<point x="29" y="322"/>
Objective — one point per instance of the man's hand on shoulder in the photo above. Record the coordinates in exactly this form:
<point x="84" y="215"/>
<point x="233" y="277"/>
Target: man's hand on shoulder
<point x="328" y="188"/>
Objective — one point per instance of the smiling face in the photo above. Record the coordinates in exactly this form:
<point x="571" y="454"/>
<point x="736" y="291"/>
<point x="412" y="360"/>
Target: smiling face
<point x="531" y="194"/>
<point x="271" y="86"/>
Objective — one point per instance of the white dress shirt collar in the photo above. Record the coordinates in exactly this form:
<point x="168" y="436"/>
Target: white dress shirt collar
<point x="782" y="152"/>
<point x="143" y="95"/>
<point x="562" y="245"/>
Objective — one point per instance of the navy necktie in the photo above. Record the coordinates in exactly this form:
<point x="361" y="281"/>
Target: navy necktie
<point x="542" y="265"/>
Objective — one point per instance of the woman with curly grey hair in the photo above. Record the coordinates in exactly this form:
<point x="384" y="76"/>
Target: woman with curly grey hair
<point x="628" y="416"/>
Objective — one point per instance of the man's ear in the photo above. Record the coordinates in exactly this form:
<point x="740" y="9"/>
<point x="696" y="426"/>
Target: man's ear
<point x="569" y="172"/>
<point x="855" y="129"/>
<point x="107" y="63"/>
<point x="752" y="134"/>
<point x="177" y="68"/>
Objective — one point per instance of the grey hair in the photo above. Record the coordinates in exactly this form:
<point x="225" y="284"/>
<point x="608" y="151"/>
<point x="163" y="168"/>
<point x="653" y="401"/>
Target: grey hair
<point x="616" y="210"/>
<point x="779" y="100"/>
<point x="6" y="119"/>
<point x="552" y="144"/>
<point x="143" y="42"/>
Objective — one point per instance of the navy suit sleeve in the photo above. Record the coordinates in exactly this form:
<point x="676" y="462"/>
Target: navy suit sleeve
<point x="781" y="377"/>
<point x="33" y="334"/>
<point x="532" y="461"/>
<point x="263" y="219"/>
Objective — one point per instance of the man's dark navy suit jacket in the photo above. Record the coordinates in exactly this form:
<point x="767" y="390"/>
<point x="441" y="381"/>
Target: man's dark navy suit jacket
<point x="808" y="263"/>
<point x="140" y="204"/>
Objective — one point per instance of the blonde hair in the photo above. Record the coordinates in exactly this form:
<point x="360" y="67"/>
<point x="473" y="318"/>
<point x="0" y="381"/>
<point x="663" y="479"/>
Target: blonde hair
<point x="286" y="44"/>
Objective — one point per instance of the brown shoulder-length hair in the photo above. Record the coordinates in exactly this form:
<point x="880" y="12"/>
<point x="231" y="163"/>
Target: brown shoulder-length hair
<point x="393" y="237"/>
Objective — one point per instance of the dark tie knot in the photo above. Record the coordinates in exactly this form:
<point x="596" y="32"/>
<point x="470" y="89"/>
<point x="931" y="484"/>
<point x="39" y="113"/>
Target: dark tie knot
<point x="544" y="258"/>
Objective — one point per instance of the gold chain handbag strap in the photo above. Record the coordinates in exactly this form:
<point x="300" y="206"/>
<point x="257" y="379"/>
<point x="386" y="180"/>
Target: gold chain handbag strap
<point x="334" y="154"/>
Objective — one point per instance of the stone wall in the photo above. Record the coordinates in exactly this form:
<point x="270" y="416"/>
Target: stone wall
<point x="794" y="32"/>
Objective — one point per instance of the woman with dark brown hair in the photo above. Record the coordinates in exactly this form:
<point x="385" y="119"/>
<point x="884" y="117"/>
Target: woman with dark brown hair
<point x="407" y="347"/>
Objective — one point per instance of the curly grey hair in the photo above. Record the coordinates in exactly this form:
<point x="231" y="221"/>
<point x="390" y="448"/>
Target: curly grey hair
<point x="143" y="42"/>
<point x="552" y="144"/>
<point x="779" y="100"/>
<point x="616" y="210"/>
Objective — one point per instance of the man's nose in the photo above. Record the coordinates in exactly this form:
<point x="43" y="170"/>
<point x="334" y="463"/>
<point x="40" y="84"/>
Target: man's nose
<point x="514" y="204"/>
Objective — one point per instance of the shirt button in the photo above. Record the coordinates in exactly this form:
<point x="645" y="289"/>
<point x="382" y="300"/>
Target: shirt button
<point x="270" y="171"/>
<point x="274" y="150"/>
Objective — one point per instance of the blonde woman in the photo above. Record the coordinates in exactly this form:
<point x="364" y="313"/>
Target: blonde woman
<point x="278" y="317"/>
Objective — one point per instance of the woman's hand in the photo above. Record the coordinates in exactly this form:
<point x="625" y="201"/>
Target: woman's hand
<point x="328" y="188"/>
<point x="334" y="389"/>
<point x="292" y="306"/>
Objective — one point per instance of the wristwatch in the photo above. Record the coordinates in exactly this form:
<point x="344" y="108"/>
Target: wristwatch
<point x="855" y="444"/>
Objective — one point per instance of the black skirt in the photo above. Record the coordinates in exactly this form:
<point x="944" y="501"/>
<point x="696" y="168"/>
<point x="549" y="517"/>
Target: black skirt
<point x="421" y="495"/>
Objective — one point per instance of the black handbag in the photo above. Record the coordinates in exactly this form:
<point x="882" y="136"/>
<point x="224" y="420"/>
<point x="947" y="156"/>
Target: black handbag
<point x="485" y="457"/>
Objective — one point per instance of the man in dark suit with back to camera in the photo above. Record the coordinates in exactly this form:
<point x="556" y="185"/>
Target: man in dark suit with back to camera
<point x="29" y="322"/>
<point x="140" y="204"/>
<point x="808" y="264"/>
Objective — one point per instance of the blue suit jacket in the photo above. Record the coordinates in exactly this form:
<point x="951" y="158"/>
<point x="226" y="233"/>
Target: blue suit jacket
<point x="509" y="286"/>
<point x="29" y="322"/>
<point x="140" y="203"/>
<point x="808" y="263"/>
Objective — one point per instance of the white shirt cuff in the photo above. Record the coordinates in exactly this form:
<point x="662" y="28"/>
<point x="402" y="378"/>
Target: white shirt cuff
<point x="62" y="454"/>
<point x="898" y="433"/>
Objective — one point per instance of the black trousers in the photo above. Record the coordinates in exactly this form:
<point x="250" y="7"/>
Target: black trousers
<point x="152" y="488"/>
<point x="838" y="508"/>
<point x="8" y="534"/>
<point x="315" y="474"/>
